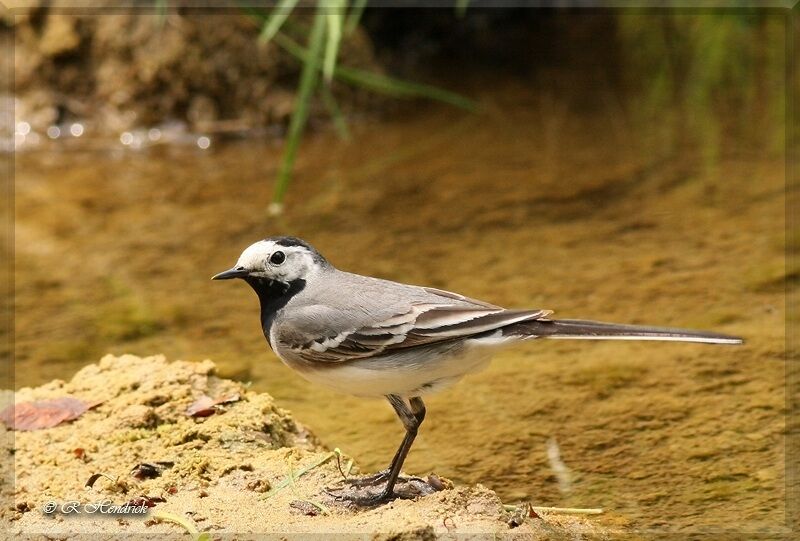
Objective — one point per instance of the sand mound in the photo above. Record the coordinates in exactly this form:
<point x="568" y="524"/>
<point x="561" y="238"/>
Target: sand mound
<point x="247" y="467"/>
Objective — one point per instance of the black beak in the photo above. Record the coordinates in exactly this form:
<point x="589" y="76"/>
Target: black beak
<point x="237" y="272"/>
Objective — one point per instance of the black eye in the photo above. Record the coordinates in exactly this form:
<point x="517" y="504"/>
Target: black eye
<point x="277" y="258"/>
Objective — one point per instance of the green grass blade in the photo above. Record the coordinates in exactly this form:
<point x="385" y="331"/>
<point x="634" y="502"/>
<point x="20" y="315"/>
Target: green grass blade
<point x="461" y="7"/>
<point x="400" y="88"/>
<point x="161" y="12"/>
<point x="276" y="19"/>
<point x="335" y="16"/>
<point x="308" y="81"/>
<point x="185" y="522"/>
<point x="336" y="453"/>
<point x="354" y="17"/>
<point x="381" y="83"/>
<point x="339" y="121"/>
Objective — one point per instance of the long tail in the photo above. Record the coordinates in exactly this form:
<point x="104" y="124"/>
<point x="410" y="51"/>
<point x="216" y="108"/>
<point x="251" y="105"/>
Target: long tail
<point x="598" y="330"/>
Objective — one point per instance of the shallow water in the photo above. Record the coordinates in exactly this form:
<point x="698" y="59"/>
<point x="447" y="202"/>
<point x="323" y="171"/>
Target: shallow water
<point x="533" y="202"/>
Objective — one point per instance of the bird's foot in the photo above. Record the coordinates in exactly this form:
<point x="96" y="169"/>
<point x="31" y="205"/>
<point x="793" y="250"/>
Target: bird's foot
<point x="378" y="478"/>
<point x="371" y="491"/>
<point x="361" y="498"/>
<point x="368" y="480"/>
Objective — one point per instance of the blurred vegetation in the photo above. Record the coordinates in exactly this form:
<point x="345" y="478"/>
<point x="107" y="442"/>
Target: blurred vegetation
<point x="332" y="21"/>
<point x="697" y="76"/>
<point x="691" y="77"/>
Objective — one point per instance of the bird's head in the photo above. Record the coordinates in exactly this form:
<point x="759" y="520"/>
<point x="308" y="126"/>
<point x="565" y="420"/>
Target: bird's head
<point x="276" y="259"/>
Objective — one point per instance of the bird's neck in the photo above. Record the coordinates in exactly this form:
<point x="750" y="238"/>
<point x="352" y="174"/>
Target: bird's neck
<point x="273" y="296"/>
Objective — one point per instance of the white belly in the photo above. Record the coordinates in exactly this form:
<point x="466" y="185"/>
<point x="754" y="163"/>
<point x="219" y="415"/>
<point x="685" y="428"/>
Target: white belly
<point x="405" y="375"/>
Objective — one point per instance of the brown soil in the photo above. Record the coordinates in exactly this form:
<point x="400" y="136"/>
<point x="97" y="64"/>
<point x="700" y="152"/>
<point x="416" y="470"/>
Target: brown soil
<point x="227" y="473"/>
<point x="119" y="70"/>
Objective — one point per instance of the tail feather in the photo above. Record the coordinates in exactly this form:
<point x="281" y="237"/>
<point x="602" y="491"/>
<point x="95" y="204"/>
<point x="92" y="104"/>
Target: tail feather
<point x="598" y="330"/>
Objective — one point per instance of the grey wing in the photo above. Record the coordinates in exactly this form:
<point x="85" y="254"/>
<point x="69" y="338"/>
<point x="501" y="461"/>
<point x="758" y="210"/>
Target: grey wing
<point x="321" y="333"/>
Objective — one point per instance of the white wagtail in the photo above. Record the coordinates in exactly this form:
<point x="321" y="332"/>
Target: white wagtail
<point x="371" y="337"/>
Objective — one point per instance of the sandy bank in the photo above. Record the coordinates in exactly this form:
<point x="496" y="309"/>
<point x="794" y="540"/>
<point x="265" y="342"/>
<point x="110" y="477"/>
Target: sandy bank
<point x="225" y="473"/>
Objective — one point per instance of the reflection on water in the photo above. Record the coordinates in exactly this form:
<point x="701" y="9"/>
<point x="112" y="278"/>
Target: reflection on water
<point x="534" y="202"/>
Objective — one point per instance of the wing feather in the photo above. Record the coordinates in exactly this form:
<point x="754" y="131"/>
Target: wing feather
<point x="422" y="324"/>
<point x="446" y="316"/>
<point x="486" y="322"/>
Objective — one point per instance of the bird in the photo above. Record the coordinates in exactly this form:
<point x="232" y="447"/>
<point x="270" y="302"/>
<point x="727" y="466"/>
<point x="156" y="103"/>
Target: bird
<point x="371" y="337"/>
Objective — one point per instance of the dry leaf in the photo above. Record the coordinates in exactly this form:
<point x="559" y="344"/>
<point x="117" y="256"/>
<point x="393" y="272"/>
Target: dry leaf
<point x="202" y="407"/>
<point x="205" y="405"/>
<point x="43" y="413"/>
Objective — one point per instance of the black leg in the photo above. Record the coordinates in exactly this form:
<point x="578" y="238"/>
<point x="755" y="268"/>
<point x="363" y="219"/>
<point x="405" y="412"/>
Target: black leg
<point x="411" y="415"/>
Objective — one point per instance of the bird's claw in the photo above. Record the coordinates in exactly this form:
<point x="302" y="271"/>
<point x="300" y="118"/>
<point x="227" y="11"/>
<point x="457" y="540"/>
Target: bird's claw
<point x="368" y="480"/>
<point x="362" y="499"/>
<point x="377" y="478"/>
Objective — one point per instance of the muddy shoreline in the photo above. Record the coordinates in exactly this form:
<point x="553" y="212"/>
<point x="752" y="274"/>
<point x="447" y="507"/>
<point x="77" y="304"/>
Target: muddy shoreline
<point x="247" y="468"/>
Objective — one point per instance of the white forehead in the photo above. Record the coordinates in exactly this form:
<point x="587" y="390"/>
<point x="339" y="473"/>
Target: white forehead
<point x="256" y="254"/>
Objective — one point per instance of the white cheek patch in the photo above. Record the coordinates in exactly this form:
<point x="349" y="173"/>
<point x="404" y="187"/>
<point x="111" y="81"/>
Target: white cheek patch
<point x="299" y="264"/>
<point x="296" y="267"/>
